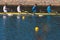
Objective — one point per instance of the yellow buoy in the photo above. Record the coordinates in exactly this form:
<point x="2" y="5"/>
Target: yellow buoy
<point x="23" y="17"/>
<point x="36" y="29"/>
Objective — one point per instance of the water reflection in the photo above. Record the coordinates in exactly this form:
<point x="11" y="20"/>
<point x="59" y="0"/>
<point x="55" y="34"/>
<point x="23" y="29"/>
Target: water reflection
<point x="4" y="19"/>
<point x="18" y="26"/>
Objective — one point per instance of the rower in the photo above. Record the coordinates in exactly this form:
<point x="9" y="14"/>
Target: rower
<point x="49" y="9"/>
<point x="5" y="9"/>
<point x="19" y="8"/>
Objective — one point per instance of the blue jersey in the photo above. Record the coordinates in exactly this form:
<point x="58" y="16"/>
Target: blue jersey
<point x="48" y="9"/>
<point x="34" y="9"/>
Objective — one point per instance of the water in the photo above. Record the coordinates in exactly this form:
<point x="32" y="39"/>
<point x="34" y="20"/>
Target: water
<point x="15" y="28"/>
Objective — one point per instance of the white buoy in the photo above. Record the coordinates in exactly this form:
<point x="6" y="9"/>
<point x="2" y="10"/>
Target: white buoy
<point x="10" y="14"/>
<point x="4" y="17"/>
<point x="18" y="17"/>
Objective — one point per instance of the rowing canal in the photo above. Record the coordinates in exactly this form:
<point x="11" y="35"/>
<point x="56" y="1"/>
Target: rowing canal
<point x="22" y="27"/>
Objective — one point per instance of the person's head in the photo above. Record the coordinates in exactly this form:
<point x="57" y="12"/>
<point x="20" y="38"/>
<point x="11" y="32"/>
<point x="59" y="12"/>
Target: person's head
<point x="35" y="4"/>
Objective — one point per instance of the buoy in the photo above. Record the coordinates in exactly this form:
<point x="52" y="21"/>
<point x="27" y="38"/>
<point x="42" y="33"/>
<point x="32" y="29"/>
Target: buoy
<point x="4" y="17"/>
<point x="23" y="17"/>
<point x="36" y="29"/>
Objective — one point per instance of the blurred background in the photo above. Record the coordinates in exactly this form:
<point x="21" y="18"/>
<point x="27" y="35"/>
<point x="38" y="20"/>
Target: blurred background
<point x="27" y="5"/>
